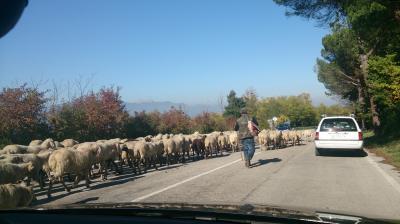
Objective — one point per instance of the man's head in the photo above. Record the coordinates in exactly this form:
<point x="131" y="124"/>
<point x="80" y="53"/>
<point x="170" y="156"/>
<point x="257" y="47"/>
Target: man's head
<point x="243" y="111"/>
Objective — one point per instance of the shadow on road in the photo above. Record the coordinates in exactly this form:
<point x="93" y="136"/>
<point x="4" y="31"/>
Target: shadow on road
<point x="84" y="201"/>
<point x="341" y="153"/>
<point x="114" y="179"/>
<point x="265" y="161"/>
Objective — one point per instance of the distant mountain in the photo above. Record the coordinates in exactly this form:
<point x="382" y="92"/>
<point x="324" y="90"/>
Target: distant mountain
<point x="191" y="110"/>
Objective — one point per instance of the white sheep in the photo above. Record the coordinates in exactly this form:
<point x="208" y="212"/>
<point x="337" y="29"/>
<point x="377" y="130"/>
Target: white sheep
<point x="38" y="161"/>
<point x="48" y="144"/>
<point x="35" y="142"/>
<point x="234" y="141"/>
<point x="170" y="150"/>
<point x="211" y="144"/>
<point x="12" y="173"/>
<point x="58" y="145"/>
<point x="21" y="149"/>
<point x="179" y="144"/>
<point x="67" y="161"/>
<point x="186" y="146"/>
<point x="133" y="155"/>
<point x="263" y="139"/>
<point x="14" y="195"/>
<point x="108" y="152"/>
<point x="69" y="142"/>
<point x="147" y="152"/>
<point x="165" y="137"/>
<point x="158" y="137"/>
<point x="159" y="149"/>
<point x="222" y="142"/>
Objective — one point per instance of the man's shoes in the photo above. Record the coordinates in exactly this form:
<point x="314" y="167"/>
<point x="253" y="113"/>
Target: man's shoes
<point x="247" y="164"/>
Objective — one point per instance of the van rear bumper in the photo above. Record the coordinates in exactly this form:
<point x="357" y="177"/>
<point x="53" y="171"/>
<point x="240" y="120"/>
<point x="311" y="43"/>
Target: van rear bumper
<point x="326" y="144"/>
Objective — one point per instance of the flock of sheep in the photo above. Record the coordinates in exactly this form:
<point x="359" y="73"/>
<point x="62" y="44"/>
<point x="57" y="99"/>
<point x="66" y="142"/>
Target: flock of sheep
<point x="54" y="161"/>
<point x="271" y="139"/>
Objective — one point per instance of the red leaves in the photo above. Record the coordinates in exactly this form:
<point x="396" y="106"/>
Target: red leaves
<point x="104" y="112"/>
<point x="22" y="112"/>
<point x="174" y="121"/>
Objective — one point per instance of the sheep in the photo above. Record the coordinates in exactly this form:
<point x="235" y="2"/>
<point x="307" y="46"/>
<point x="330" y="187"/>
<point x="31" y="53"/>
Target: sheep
<point x="186" y="145"/>
<point x="21" y="149"/>
<point x="234" y="141"/>
<point x="14" y="195"/>
<point x="198" y="147"/>
<point x="222" y="142"/>
<point x="69" y="160"/>
<point x="263" y="139"/>
<point x="169" y="150"/>
<point x="182" y="146"/>
<point x="69" y="142"/>
<point x="309" y="134"/>
<point x="38" y="161"/>
<point x="179" y="143"/>
<point x="299" y="136"/>
<point x="108" y="153"/>
<point x="90" y="146"/>
<point x="159" y="149"/>
<point x="101" y="141"/>
<point x="58" y="145"/>
<point x="211" y="143"/>
<point x="158" y="137"/>
<point x="292" y="137"/>
<point x="122" y="141"/>
<point x="139" y="139"/>
<point x="12" y="173"/>
<point x="48" y="143"/>
<point x="15" y="149"/>
<point x="35" y="142"/>
<point x="125" y="156"/>
<point x="285" y="138"/>
<point x="147" y="152"/>
<point x="277" y="138"/>
<point x="133" y="155"/>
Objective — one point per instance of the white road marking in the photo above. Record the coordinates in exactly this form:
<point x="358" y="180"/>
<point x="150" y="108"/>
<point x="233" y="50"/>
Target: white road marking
<point x="388" y="178"/>
<point x="185" y="181"/>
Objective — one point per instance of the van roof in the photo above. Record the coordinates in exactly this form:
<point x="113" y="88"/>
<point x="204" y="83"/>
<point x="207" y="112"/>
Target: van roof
<point x="338" y="117"/>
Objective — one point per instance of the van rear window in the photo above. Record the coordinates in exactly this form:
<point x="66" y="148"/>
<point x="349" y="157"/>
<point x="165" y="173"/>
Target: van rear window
<point x="337" y="125"/>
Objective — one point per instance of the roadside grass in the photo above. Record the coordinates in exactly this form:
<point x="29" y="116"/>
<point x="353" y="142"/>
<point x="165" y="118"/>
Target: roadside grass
<point x="386" y="147"/>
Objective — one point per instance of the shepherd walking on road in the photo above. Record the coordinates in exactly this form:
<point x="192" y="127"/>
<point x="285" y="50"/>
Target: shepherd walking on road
<point x="247" y="130"/>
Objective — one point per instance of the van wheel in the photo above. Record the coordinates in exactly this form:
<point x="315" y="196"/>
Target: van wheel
<point x="317" y="152"/>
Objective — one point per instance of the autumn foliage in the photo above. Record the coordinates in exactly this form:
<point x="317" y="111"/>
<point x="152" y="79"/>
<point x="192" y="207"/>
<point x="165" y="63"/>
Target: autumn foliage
<point x="93" y="116"/>
<point x="22" y="114"/>
<point x="26" y="114"/>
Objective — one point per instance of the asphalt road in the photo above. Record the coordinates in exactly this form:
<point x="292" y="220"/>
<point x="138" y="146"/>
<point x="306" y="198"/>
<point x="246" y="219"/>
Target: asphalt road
<point x="291" y="178"/>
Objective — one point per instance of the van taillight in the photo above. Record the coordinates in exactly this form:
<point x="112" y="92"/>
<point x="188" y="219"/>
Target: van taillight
<point x="360" y="135"/>
<point x="317" y="135"/>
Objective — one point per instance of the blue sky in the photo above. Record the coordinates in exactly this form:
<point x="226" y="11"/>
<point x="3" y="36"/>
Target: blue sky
<point x="177" y="50"/>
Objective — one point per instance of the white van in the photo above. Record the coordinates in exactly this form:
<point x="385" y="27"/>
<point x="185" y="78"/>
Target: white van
<point x="341" y="132"/>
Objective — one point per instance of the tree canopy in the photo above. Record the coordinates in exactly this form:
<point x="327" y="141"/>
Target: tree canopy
<point x="359" y="59"/>
<point x="234" y="105"/>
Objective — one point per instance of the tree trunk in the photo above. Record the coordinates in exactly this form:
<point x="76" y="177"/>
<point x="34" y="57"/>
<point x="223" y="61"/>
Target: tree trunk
<point x="361" y="102"/>
<point x="376" y="122"/>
